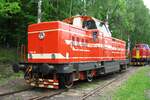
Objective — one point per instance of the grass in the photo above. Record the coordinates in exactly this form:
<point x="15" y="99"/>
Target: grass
<point x="8" y="55"/>
<point x="136" y="86"/>
<point x="12" y="77"/>
<point x="6" y="73"/>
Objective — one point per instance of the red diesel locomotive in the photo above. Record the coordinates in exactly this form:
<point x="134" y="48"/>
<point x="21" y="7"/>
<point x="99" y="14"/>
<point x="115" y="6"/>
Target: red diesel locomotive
<point x="140" y="54"/>
<point x="78" y="48"/>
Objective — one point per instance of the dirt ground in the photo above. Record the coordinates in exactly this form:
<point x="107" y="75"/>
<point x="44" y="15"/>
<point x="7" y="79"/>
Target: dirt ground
<point x="8" y="81"/>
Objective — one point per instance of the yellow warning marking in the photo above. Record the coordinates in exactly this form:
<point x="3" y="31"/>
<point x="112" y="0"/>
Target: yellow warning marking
<point x="137" y="54"/>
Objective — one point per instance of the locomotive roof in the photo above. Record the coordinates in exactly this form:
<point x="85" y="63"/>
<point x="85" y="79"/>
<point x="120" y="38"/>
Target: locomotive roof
<point x="85" y="18"/>
<point x="141" y="44"/>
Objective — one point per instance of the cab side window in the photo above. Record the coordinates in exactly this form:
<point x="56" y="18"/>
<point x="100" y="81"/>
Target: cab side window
<point x="89" y="24"/>
<point x="103" y="28"/>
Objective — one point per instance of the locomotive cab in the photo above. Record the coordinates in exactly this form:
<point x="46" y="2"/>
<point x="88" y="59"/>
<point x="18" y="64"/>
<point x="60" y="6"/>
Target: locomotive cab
<point x="89" y="23"/>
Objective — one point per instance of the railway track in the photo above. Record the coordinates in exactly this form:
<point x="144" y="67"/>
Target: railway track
<point x="48" y="95"/>
<point x="85" y="96"/>
<point x="103" y="86"/>
<point x="14" y="92"/>
<point x="42" y="95"/>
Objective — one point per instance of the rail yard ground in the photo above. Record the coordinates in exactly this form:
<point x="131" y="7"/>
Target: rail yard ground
<point x="133" y="84"/>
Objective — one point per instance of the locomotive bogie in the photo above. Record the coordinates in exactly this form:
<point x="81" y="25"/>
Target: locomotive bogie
<point x="54" y="76"/>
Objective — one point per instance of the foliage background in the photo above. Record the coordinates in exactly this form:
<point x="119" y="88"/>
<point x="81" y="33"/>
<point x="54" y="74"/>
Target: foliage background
<point x="126" y="17"/>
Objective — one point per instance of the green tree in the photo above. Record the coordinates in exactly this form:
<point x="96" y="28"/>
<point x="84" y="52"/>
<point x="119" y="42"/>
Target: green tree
<point x="125" y="17"/>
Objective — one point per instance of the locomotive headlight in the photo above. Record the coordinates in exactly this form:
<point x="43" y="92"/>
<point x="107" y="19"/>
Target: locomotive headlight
<point x="41" y="35"/>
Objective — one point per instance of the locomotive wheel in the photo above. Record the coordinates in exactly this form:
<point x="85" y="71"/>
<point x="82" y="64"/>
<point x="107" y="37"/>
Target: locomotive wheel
<point x="123" y="68"/>
<point x="69" y="84"/>
<point x="89" y="76"/>
<point x="66" y="80"/>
